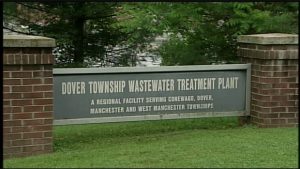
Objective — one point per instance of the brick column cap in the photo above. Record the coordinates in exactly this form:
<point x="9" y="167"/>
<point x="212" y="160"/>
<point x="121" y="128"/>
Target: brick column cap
<point x="269" y="39"/>
<point x="27" y="41"/>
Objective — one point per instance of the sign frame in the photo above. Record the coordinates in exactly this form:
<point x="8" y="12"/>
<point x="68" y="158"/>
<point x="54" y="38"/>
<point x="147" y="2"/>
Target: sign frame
<point x="163" y="69"/>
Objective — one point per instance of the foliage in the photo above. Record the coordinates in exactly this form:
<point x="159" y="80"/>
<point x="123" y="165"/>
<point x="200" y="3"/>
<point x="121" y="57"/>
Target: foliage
<point x="137" y="21"/>
<point x="199" y="32"/>
<point x="82" y="30"/>
<point x="205" y="33"/>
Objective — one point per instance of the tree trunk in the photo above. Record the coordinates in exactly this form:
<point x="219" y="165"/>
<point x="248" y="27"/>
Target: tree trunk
<point x="78" y="41"/>
<point x="79" y="38"/>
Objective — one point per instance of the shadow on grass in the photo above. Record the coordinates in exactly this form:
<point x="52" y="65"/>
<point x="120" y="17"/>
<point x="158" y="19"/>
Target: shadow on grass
<point x="68" y="137"/>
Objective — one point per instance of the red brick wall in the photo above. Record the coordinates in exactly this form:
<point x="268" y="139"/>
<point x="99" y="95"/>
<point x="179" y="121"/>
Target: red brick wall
<point x="274" y="83"/>
<point x="27" y="101"/>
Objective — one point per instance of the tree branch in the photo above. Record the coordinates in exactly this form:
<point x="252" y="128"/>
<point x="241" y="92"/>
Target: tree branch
<point x="19" y="18"/>
<point x="33" y="7"/>
<point x="116" y="50"/>
<point x="97" y="17"/>
<point x="17" y="31"/>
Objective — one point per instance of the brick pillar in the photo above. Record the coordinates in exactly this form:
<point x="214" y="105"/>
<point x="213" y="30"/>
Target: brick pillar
<point x="27" y="95"/>
<point x="274" y="79"/>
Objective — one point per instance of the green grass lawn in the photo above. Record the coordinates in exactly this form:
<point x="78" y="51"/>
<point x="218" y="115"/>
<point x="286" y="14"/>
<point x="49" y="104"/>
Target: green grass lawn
<point x="197" y="143"/>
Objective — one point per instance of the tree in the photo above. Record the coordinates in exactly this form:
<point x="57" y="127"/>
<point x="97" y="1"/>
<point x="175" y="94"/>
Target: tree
<point x="206" y="32"/>
<point x="83" y="30"/>
<point x="199" y="32"/>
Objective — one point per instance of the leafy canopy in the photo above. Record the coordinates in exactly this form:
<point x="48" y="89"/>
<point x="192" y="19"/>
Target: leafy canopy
<point x="198" y="32"/>
<point x="206" y="32"/>
<point x="83" y="30"/>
